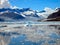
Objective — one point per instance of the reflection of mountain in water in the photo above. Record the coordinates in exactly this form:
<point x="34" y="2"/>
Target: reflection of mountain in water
<point x="36" y="35"/>
<point x="4" y="40"/>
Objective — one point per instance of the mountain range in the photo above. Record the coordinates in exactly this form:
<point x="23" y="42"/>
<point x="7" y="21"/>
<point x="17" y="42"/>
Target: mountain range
<point x="24" y="14"/>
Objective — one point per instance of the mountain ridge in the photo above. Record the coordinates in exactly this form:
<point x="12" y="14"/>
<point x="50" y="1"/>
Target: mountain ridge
<point x="23" y="14"/>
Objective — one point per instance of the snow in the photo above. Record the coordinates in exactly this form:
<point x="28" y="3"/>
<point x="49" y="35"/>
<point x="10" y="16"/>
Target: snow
<point x="47" y="12"/>
<point x="28" y="12"/>
<point x="41" y="14"/>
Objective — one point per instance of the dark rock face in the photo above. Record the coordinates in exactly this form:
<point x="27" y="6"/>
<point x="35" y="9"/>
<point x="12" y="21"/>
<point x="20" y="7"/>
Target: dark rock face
<point x="10" y="15"/>
<point x="55" y="16"/>
<point x="1" y="20"/>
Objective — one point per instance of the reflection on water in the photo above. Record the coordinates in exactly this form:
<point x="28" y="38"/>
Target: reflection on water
<point x="30" y="35"/>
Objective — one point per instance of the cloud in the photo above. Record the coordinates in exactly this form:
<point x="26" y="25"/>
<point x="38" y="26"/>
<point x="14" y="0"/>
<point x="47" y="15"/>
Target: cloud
<point x="4" y="4"/>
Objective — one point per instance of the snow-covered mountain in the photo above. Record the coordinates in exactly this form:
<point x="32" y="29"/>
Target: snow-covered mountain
<point x="10" y="13"/>
<point x="24" y="14"/>
<point x="54" y="16"/>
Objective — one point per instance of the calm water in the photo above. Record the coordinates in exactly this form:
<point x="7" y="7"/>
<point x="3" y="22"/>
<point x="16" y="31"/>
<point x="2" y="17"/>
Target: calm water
<point x="30" y="33"/>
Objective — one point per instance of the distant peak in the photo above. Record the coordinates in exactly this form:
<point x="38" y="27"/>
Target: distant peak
<point x="57" y="9"/>
<point x="47" y="9"/>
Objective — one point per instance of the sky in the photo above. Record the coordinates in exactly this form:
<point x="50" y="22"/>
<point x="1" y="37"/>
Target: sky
<point x="35" y="4"/>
